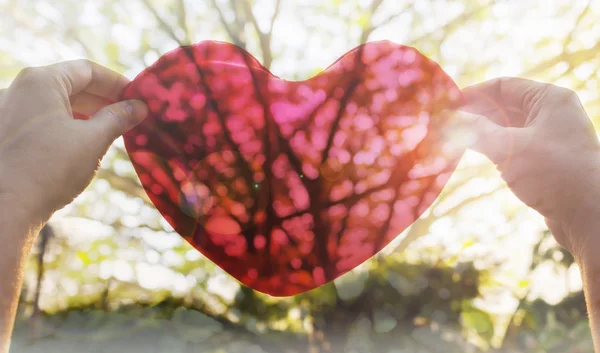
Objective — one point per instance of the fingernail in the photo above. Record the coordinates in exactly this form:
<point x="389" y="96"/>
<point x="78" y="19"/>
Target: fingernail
<point x="129" y="107"/>
<point x="137" y="108"/>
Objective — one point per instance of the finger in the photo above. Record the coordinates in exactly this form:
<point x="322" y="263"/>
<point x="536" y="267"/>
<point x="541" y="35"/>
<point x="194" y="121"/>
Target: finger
<point x="53" y="85"/>
<point x="507" y="101"/>
<point x="500" y="115"/>
<point x="496" y="142"/>
<point x="116" y="119"/>
<point x="87" y="104"/>
<point x="84" y="75"/>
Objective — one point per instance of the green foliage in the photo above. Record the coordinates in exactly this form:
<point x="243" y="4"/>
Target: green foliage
<point x="98" y="293"/>
<point x="477" y="321"/>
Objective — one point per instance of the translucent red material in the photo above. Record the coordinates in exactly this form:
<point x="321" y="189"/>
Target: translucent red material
<point x="288" y="185"/>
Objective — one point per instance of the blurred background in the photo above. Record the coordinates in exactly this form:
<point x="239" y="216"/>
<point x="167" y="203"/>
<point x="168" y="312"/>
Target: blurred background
<point x="478" y="272"/>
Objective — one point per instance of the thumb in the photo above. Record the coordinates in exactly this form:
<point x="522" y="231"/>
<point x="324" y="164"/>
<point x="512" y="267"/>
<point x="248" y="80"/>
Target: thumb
<point x="482" y="135"/>
<point x="116" y="119"/>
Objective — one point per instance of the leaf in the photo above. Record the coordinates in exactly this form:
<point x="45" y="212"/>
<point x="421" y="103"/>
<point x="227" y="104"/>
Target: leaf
<point x="524" y="283"/>
<point x="364" y="21"/>
<point x="478" y="321"/>
<point x="112" y="50"/>
<point x="83" y="256"/>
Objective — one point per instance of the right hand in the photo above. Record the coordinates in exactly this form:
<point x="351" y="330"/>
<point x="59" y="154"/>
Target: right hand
<point x="545" y="146"/>
<point x="47" y="157"/>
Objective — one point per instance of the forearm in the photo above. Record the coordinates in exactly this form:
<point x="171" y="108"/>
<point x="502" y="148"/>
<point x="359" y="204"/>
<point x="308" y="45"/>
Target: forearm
<point x="590" y="274"/>
<point x="17" y="233"/>
<point x="584" y="244"/>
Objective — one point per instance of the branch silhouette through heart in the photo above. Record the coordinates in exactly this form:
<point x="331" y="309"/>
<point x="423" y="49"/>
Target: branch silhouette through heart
<point x="288" y="185"/>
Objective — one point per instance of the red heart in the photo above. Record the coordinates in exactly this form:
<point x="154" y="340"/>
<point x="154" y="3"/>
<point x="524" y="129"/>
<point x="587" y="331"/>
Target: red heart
<point x="287" y="185"/>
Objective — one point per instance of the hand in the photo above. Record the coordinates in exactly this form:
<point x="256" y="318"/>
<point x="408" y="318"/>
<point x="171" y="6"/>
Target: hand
<point x="47" y="157"/>
<point x="547" y="151"/>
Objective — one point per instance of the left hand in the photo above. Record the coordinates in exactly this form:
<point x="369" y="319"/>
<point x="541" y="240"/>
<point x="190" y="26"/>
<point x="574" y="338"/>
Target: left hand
<point x="47" y="157"/>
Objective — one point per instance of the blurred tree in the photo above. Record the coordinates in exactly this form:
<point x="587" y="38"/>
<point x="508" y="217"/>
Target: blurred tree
<point x="114" y="268"/>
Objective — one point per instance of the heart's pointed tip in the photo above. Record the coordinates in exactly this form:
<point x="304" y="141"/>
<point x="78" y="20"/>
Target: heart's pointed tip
<point x="280" y="292"/>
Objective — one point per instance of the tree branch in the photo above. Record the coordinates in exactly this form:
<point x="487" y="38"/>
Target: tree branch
<point x="182" y="19"/>
<point x="275" y="14"/>
<point x="124" y="184"/>
<point x="263" y="38"/>
<point x="453" y="23"/>
<point x="370" y="28"/>
<point x="46" y="234"/>
<point x="419" y="228"/>
<point x="235" y="37"/>
<point x="577" y="56"/>
<point x="163" y="24"/>
<point x="581" y="16"/>
<point x="392" y="17"/>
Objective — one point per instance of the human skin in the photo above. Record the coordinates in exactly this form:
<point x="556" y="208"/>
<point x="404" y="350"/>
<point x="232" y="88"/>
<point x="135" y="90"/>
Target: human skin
<point x="545" y="147"/>
<point x="537" y="134"/>
<point x="47" y="157"/>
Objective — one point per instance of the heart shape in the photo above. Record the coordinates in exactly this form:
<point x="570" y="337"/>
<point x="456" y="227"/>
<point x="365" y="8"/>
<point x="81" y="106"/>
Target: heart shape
<point x="288" y="185"/>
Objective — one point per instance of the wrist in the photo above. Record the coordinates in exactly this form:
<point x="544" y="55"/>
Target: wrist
<point x="583" y="236"/>
<point x="17" y="219"/>
<point x="580" y="220"/>
<point x="26" y="210"/>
